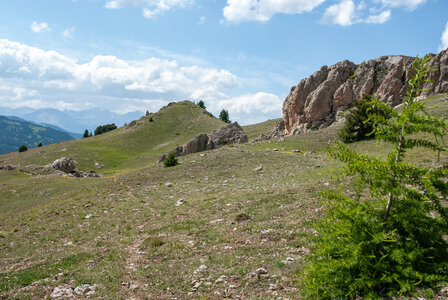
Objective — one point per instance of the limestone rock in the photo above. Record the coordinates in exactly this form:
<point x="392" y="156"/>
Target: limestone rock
<point x="64" y="164"/>
<point x="316" y="100"/>
<point x="229" y="134"/>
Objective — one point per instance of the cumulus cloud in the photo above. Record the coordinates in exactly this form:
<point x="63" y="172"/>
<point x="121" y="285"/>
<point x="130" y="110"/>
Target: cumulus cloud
<point x="32" y="76"/>
<point x="39" y="27"/>
<point x="346" y="13"/>
<point x="151" y="8"/>
<point x="343" y="13"/>
<point x="237" y="11"/>
<point x="444" y="39"/>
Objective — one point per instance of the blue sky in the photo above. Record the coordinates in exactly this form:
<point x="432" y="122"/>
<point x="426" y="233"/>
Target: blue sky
<point x="241" y="55"/>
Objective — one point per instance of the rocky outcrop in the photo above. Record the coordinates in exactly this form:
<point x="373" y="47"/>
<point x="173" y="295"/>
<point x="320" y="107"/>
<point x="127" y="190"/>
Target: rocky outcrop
<point x="277" y="131"/>
<point x="229" y="134"/>
<point x="64" y="164"/>
<point x="316" y="100"/>
<point x="66" y="167"/>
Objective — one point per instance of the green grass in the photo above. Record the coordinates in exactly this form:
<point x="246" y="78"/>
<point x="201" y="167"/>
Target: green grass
<point x="234" y="220"/>
<point x="255" y="130"/>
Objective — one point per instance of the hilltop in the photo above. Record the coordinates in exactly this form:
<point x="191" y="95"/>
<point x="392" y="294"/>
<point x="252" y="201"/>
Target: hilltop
<point x="242" y="227"/>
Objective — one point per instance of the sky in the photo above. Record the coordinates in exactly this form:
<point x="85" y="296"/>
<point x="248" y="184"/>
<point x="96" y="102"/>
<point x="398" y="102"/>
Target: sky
<point x="239" y="55"/>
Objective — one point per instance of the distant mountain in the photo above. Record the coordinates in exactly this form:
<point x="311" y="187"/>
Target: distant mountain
<point x="69" y="120"/>
<point x="15" y="132"/>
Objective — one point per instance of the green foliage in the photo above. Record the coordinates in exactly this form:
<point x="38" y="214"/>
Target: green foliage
<point x="40" y="145"/>
<point x="105" y="128"/>
<point x="201" y="104"/>
<point x="171" y="160"/>
<point x="224" y="116"/>
<point x="358" y="126"/>
<point x="23" y="148"/>
<point x="387" y="240"/>
<point x="86" y="134"/>
<point x="151" y="119"/>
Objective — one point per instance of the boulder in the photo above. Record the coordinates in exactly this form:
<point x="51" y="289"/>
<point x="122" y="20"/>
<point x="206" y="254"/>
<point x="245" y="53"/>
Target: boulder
<point x="316" y="100"/>
<point x="229" y="134"/>
<point x="64" y="164"/>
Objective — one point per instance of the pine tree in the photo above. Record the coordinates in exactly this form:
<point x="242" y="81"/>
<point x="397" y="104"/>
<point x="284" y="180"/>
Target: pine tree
<point x="224" y="116"/>
<point x="201" y="104"/>
<point x="171" y="160"/>
<point x="387" y="240"/>
<point x="86" y="134"/>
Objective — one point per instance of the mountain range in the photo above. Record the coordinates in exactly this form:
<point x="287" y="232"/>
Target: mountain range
<point x="70" y="120"/>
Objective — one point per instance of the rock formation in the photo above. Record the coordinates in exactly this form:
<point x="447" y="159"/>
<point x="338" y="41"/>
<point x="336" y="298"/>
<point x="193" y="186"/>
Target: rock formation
<point x="277" y="131"/>
<point x="229" y="134"/>
<point x="64" y="164"/>
<point x="316" y="100"/>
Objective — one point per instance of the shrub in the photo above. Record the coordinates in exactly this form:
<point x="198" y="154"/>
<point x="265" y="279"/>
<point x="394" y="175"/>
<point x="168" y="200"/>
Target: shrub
<point x="358" y="126"/>
<point x="105" y="128"/>
<point x="40" y="145"/>
<point x="86" y="134"/>
<point x="387" y="240"/>
<point x="171" y="160"/>
<point x="151" y="119"/>
<point x="23" y="148"/>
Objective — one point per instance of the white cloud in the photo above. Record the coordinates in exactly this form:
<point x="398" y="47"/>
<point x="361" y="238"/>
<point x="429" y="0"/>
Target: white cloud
<point x="34" y="77"/>
<point x="39" y="27"/>
<point x="68" y="33"/>
<point x="237" y="11"/>
<point x="380" y="18"/>
<point x="444" y="39"/>
<point x="347" y="13"/>
<point x="343" y="14"/>
<point x="250" y="103"/>
<point x="151" y="8"/>
<point x="408" y="4"/>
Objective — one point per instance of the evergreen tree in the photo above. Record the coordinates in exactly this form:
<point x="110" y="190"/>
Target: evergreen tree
<point x="388" y="239"/>
<point x="40" y="145"/>
<point x="171" y="160"/>
<point x="201" y="104"/>
<point x="23" y="148"/>
<point x="224" y="116"/>
<point x="86" y="134"/>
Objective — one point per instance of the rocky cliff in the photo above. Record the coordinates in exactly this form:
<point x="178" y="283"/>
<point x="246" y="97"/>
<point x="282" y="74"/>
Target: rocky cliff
<point x="316" y="100"/>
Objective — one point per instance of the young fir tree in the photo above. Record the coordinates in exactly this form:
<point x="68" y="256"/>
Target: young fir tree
<point x="86" y="134"/>
<point x="388" y="240"/>
<point x="224" y="116"/>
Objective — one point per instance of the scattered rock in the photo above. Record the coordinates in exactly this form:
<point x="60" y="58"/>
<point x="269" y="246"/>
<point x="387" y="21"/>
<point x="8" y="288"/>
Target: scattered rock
<point x="99" y="166"/>
<point x="88" y="216"/>
<point x="180" y="202"/>
<point x="275" y="149"/>
<point x="259" y="168"/>
<point x="221" y="279"/>
<point x="85" y="289"/>
<point x="259" y="273"/>
<point x="7" y="168"/>
<point x="64" y="164"/>
<point x="168" y="184"/>
<point x="62" y="292"/>
<point x="288" y="260"/>
<point x="296" y="151"/>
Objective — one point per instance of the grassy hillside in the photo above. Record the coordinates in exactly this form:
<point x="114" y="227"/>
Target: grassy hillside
<point x="15" y="132"/>
<point x="245" y="207"/>
<point x="255" y="130"/>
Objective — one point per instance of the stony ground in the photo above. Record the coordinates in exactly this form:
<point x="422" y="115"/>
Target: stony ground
<point x="233" y="222"/>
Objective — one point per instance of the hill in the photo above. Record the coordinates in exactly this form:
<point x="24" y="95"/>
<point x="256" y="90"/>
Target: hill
<point x="241" y="230"/>
<point x="15" y="132"/>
